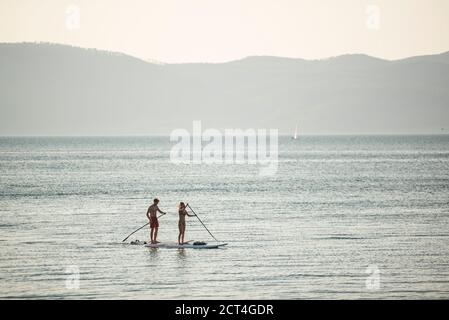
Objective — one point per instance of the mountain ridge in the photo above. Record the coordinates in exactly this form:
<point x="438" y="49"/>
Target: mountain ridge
<point x="51" y="89"/>
<point x="150" y="60"/>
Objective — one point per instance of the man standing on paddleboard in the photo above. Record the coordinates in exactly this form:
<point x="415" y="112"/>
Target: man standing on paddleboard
<point x="154" y="223"/>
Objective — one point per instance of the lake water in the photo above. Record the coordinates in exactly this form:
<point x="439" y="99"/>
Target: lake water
<point x="344" y="217"/>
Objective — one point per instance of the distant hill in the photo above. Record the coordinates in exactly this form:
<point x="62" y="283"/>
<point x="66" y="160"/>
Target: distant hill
<point x="51" y="89"/>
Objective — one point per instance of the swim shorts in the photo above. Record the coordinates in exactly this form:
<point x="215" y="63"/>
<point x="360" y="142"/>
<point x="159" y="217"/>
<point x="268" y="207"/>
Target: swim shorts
<point x="154" y="223"/>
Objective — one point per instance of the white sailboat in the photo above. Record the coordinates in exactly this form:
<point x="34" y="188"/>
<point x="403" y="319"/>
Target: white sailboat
<point x="295" y="136"/>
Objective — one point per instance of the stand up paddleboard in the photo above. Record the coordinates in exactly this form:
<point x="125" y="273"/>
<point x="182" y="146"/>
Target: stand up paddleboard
<point x="174" y="245"/>
<point x="141" y="243"/>
<point x="186" y="246"/>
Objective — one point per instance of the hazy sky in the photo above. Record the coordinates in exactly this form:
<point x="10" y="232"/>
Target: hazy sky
<point x="222" y="30"/>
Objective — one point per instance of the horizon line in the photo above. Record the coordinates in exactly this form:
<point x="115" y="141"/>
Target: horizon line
<point x="280" y="135"/>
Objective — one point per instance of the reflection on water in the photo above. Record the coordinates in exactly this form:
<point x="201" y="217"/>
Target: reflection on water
<point x="154" y="253"/>
<point x="182" y="254"/>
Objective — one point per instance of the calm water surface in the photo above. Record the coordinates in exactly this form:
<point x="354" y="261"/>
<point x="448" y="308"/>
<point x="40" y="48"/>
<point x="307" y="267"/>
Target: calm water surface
<point x="344" y="217"/>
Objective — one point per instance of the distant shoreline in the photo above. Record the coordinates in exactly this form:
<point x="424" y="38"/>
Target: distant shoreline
<point x="280" y="135"/>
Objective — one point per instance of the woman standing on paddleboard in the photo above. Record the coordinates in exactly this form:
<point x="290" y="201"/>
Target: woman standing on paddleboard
<point x="182" y="222"/>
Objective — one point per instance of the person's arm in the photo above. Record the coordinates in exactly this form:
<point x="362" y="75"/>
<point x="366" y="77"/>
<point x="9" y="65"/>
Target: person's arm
<point x="159" y="210"/>
<point x="186" y="213"/>
<point x="148" y="213"/>
<point x="189" y="215"/>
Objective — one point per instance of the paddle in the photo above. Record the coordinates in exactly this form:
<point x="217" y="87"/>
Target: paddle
<point x="140" y="228"/>
<point x="202" y="223"/>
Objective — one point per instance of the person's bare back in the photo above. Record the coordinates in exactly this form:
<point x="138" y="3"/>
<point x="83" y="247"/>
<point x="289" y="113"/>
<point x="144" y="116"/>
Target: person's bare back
<point x="182" y="216"/>
<point x="152" y="210"/>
